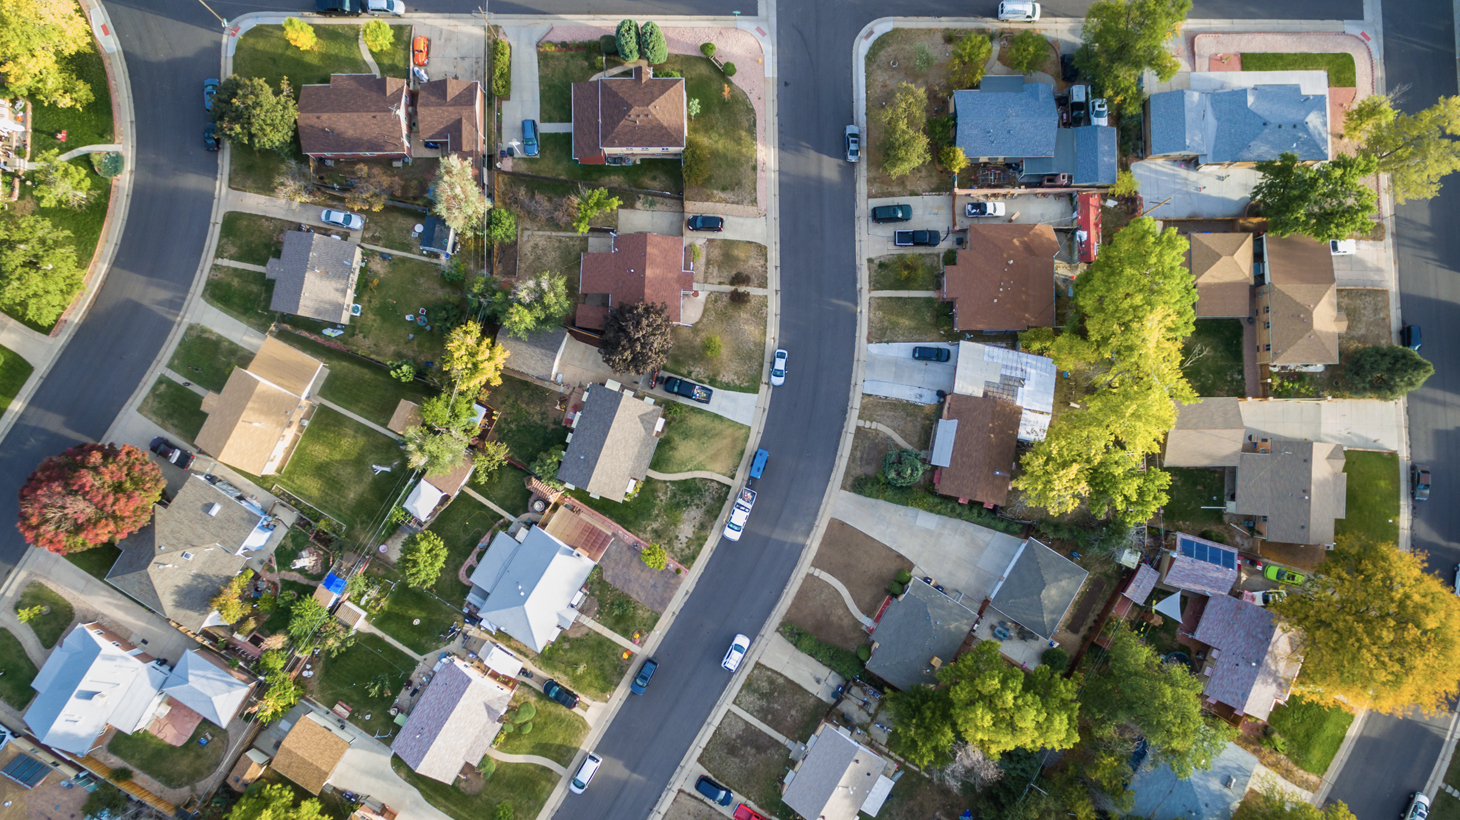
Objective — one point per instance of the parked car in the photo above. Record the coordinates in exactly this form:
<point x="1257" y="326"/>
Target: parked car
<point x="1099" y="114"/>
<point x="909" y="238"/>
<point x="1457" y="579"/>
<point x="705" y="223"/>
<point x="1419" y="482"/>
<point x="1068" y="72"/>
<point x="343" y="219"/>
<point x="1410" y="337"/>
<point x="586" y="770"/>
<point x="210" y="89"/>
<point x="171" y="454"/>
<point x="735" y="654"/>
<point x="210" y="140"/>
<point x="975" y="210"/>
<point x="757" y="464"/>
<point x="392" y="7"/>
<point x="854" y="143"/>
<point x="778" y="368"/>
<point x="529" y="138"/>
<point x="1079" y="103"/>
<point x="1419" y="807"/>
<point x="1268" y="597"/>
<point x="560" y="693"/>
<point x="739" y="513"/>
<point x="1283" y="575"/>
<point x="646" y="673"/>
<point x="1343" y="247"/>
<point x="348" y="8"/>
<point x="892" y="213"/>
<point x="744" y="812"/>
<point x="421" y="50"/>
<point x="713" y="790"/>
<point x="688" y="389"/>
<point x="1018" y="11"/>
<point x="932" y="354"/>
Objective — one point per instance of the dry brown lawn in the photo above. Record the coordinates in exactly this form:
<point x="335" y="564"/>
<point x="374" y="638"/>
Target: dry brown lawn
<point x="900" y="46"/>
<point x="543" y="253"/>
<point x="819" y="609"/>
<point x="741" y="330"/>
<point x="863" y="564"/>
<point x="688" y="807"/>
<point x="747" y="760"/>
<point x="868" y="448"/>
<point x="910" y="319"/>
<point x="780" y="703"/>
<point x="726" y="257"/>
<point x="915" y="797"/>
<point x="1367" y="310"/>
<point x="914" y="422"/>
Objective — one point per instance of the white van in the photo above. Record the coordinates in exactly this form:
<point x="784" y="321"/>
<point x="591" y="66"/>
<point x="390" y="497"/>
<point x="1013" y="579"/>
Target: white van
<point x="1018" y="11"/>
<point x="586" y="770"/>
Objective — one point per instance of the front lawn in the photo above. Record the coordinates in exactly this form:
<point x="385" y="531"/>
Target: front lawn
<point x="907" y="271"/>
<point x="1338" y="64"/>
<point x="394" y="61"/>
<point x="556" y="73"/>
<point x="359" y="385"/>
<point x="390" y="290"/>
<point x="725" y="258"/>
<point x="250" y="238"/>
<point x="700" y="440"/>
<point x="555" y="160"/>
<point x="407" y="604"/>
<point x="346" y="676"/>
<point x="258" y="171"/>
<point x="523" y="786"/>
<point x="1373" y="496"/>
<point x="174" y="408"/>
<point x="617" y="611"/>
<point x="589" y="663"/>
<point x="747" y="761"/>
<point x="330" y="469"/>
<point x="243" y="294"/>
<point x="14" y="371"/>
<point x="674" y="514"/>
<point x="507" y="487"/>
<point x="737" y="361"/>
<point x="725" y="126"/>
<point x="462" y="525"/>
<point x="97" y="561"/>
<point x="16" y="671"/>
<point x="1217" y="346"/>
<point x="917" y="319"/>
<point x="1313" y="732"/>
<point x="556" y="732"/>
<point x="264" y="52"/>
<point x="174" y="766"/>
<point x="51" y="626"/>
<point x="528" y="423"/>
<point x="781" y="703"/>
<point x="205" y="358"/>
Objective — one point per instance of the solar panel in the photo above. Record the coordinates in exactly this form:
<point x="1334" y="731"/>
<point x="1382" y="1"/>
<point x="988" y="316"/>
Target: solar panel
<point x="1185" y="547"/>
<point x="26" y="770"/>
<point x="1201" y="552"/>
<point x="1229" y="559"/>
<point x="1207" y="553"/>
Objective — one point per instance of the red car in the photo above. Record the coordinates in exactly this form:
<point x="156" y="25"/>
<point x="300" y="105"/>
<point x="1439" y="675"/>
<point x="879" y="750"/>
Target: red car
<point x="744" y="812"/>
<point x="420" y="50"/>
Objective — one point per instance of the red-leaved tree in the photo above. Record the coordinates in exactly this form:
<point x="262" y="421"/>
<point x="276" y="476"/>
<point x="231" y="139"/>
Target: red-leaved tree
<point x="87" y="496"/>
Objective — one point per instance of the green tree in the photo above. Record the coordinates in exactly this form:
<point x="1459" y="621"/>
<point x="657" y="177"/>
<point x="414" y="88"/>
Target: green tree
<point x="636" y="338"/>
<point x="1417" y="151"/>
<point x="1274" y="803"/>
<point x="707" y="49"/>
<point x="923" y="731"/>
<point x="626" y="37"/>
<point x="280" y="697"/>
<point x="1123" y="38"/>
<point x="247" y="112"/>
<point x="1378" y="631"/>
<point x="488" y="459"/>
<point x="1026" y="52"/>
<point x="652" y="45"/>
<point x="275" y="801"/>
<point x="370" y="186"/>
<point x="535" y="303"/>
<point x="903" y="468"/>
<point x="1126" y="184"/>
<point x="596" y="201"/>
<point x="403" y="372"/>
<point x="970" y="56"/>
<point x="905" y="143"/>
<point x="450" y="411"/>
<point x="29" y="614"/>
<point x="378" y="35"/>
<point x="38" y="271"/>
<point x="457" y="196"/>
<point x="37" y="40"/>
<point x="300" y="34"/>
<point x="501" y="226"/>
<point x="693" y="107"/>
<point x="953" y="158"/>
<point x="305" y="619"/>
<point x="998" y="707"/>
<point x="1328" y="201"/>
<point x="421" y="558"/>
<point x="654" y="557"/>
<point x="473" y="360"/>
<point x="230" y="603"/>
<point x="546" y="465"/>
<point x="62" y="184"/>
<point x="1385" y="372"/>
<point x="434" y="451"/>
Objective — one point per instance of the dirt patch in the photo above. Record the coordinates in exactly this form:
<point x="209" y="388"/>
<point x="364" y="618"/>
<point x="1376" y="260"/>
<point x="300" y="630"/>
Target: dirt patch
<point x="747" y="760"/>
<point x="906" y="271"/>
<point x="624" y="569"/>
<point x="917" y="798"/>
<point x="895" y="58"/>
<point x="688" y="807"/>
<point x="914" y="422"/>
<point x="1085" y="612"/>
<point x="741" y="331"/>
<point x="910" y="319"/>
<point x="819" y="609"/>
<point x="868" y="448"/>
<point x="539" y="205"/>
<point x="780" y="703"/>
<point x="726" y="257"/>
<point x="863" y="564"/>
<point x="1367" y="310"/>
<point x="543" y="253"/>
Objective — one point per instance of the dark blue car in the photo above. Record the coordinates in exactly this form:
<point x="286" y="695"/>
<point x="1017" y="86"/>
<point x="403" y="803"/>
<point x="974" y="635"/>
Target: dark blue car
<point x="713" y="790"/>
<point x="646" y="673"/>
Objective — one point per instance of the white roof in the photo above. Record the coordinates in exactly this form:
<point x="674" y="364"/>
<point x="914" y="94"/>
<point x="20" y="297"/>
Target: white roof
<point x="206" y="688"/>
<point x="525" y="588"/>
<point x="423" y="499"/>
<point x="87" y="684"/>
<point x="501" y="661"/>
<point x="943" y="437"/>
<point x="1013" y="376"/>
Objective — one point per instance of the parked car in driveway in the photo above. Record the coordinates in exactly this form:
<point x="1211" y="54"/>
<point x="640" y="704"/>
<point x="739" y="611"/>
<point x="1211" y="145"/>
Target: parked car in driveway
<point x="739" y="645"/>
<point x="210" y="139"/>
<point x="892" y="213"/>
<point x="529" y="138"/>
<point x="709" y="788"/>
<point x="932" y="354"/>
<point x="1419" y="482"/>
<point x="1099" y="114"/>
<point x="342" y="219"/>
<point x="166" y="451"/>
<point x="421" y="50"/>
<point x="909" y="238"/>
<point x="705" y="223"/>
<point x="641" y="680"/>
<point x="1068" y="72"/>
<point x="778" y="368"/>
<point x="854" y="143"/>
<point x="560" y="693"/>
<point x="688" y="389"/>
<point x="210" y="90"/>
<point x="1283" y="575"/>
<point x="976" y="210"/>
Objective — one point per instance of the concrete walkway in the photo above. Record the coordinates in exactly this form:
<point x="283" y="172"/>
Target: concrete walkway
<point x="610" y="634"/>
<point x="365" y="53"/>
<point x="759" y="724"/>
<point x="237" y="200"/>
<point x="366" y="626"/>
<point x="555" y="128"/>
<point x="357" y="417"/>
<point x="845" y="593"/>
<point x="25" y="635"/>
<point x="778" y="654"/>
<point x="532" y="759"/>
<point x="731" y="289"/>
<point x="241" y="265"/>
<point x="882" y="428"/>
<point x="99" y="148"/>
<point x="489" y="502"/>
<point x="729" y="482"/>
<point x="909" y="294"/>
<point x="406" y="254"/>
<point x="225" y="325"/>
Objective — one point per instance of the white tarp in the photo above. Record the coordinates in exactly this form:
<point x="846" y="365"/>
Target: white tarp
<point x="422" y="500"/>
<point x="1171" y="607"/>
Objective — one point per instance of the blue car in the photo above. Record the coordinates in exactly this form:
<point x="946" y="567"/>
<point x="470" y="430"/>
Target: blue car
<point x="529" y="138"/>
<point x="210" y="89"/>
<point x="713" y="790"/>
<point x="646" y="673"/>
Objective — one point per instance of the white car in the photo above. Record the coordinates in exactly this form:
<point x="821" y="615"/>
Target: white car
<point x="975" y="210"/>
<point x="738" y="648"/>
<point x="1019" y="11"/>
<point x="778" y="369"/>
<point x="586" y="770"/>
<point x="1419" y="807"/>
<point x="735" y="524"/>
<point x="343" y="219"/>
<point x="853" y="143"/>
<point x="1099" y="114"/>
<point x="392" y="7"/>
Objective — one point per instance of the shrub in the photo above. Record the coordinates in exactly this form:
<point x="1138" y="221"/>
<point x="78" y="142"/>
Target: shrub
<point x="121" y="775"/>
<point x="608" y="44"/>
<point x="941" y="130"/>
<point x="675" y="410"/>
<point x="896" y="589"/>
<point x="501" y="68"/>
<point x="1125" y="184"/>
<point x="903" y="468"/>
<point x="922" y="59"/>
<point x="1027" y="51"/>
<point x="953" y="159"/>
<point x="403" y="371"/>
<point x="654" y="557"/>
<point x="652" y="45"/>
<point x="841" y="661"/>
<point x="740" y="279"/>
<point x="739" y="297"/>
<point x="707" y="49"/>
<point x="504" y="811"/>
<point x="1214" y="535"/>
<point x="626" y="38"/>
<point x="488" y="766"/>
<point x="713" y="347"/>
<point x="300" y="34"/>
<point x="525" y="728"/>
<point x="696" y="159"/>
<point x="874" y="487"/>
<point x="694" y="250"/>
<point x="501" y="226"/>
<point x="864" y="653"/>
<point x="902" y="576"/>
<point x="950" y="257"/>
<point x="28" y="614"/>
<point x="107" y="165"/>
<point x="1056" y="659"/>
<point x="729" y="69"/>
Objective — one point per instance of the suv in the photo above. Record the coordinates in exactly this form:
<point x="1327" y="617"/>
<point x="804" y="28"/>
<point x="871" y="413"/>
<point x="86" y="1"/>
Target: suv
<point x="172" y="455"/>
<point x="854" y="143"/>
<point x="931" y="354"/>
<point x="348" y="8"/>
<point x="1410" y="337"/>
<point x="892" y="213"/>
<point x="1019" y="11"/>
<point x="529" y="138"/>
<point x="1419" y="482"/>
<point x="560" y="693"/>
<point x="709" y="788"/>
<point x="646" y="673"/>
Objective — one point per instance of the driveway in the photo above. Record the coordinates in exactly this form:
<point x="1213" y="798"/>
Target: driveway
<point x="932" y="213"/>
<point x="525" y="102"/>
<point x="748" y="228"/>
<point x="665" y="223"/>
<point x="1205" y="193"/>
<point x="893" y="373"/>
<point x="739" y="407"/>
<point x="1057" y="210"/>
<point x="365" y="769"/>
<point x="457" y="52"/>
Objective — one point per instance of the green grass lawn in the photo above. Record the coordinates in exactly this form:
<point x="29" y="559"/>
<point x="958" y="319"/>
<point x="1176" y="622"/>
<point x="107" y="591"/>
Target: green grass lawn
<point x="910" y="271"/>
<point x="618" y="611"/>
<point x="51" y="626"/>
<point x="1373" y="496"/>
<point x="657" y="513"/>
<point x="175" y="408"/>
<point x="263" y="52"/>
<point x="462" y="525"/>
<point x="243" y="294"/>
<point x="295" y="542"/>
<point x="725" y="126"/>
<point x="407" y="604"/>
<point x="523" y="786"/>
<point x="1444" y="807"/>
<point x="556" y="73"/>
<point x="252" y="238"/>
<point x="507" y="487"/>
<point x="1313" y="732"/>
<point x="387" y="292"/>
<point x="393" y="60"/>
<point x="1339" y="65"/>
<point x="97" y="561"/>
<point x="346" y="676"/>
<point x="898" y="319"/>
<point x="14" y="371"/>
<point x="1218" y="371"/>
<point x="555" y="160"/>
<point x="700" y="440"/>
<point x="527" y="424"/>
<point x="590" y="664"/>
<point x="18" y="671"/>
<point x="331" y="470"/>
<point x="1192" y="489"/>
<point x="205" y="358"/>
<point x="258" y="171"/>
<point x="173" y="766"/>
<point x="556" y="732"/>
<point x="354" y="383"/>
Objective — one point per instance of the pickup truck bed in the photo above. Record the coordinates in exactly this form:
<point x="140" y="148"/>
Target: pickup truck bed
<point x="688" y="389"/>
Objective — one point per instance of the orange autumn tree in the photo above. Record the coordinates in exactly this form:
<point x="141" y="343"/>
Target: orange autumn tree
<point x="90" y="495"/>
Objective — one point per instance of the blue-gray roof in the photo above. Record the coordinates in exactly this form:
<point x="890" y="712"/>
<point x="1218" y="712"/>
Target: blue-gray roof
<point x="1241" y="124"/>
<point x="1095" y="162"/>
<point x="524" y="587"/>
<point x="1161" y="796"/>
<point x="1176" y="123"/>
<point x="993" y="122"/>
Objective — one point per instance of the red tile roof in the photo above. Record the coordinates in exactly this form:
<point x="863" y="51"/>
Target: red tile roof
<point x="642" y="267"/>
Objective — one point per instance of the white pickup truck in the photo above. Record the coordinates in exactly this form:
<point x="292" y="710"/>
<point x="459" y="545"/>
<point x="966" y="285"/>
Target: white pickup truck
<point x="739" y="514"/>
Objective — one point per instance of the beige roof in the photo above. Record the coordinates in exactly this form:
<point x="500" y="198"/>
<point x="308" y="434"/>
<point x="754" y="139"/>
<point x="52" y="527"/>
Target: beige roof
<point x="1299" y="486"/>
<point x="1221" y="263"/>
<point x="407" y="414"/>
<point x="255" y="414"/>
<point x="1208" y="433"/>
<point x="314" y="276"/>
<point x="1300" y="304"/>
<point x="309" y="753"/>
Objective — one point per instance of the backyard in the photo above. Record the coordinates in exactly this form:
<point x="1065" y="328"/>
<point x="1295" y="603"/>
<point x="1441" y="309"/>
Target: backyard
<point x="507" y="487"/>
<point x="697" y="439"/>
<point x="357" y="384"/>
<point x="1192" y="489"/>
<point x="906" y="271"/>
<point x="330" y="469"/>
<point x="748" y="761"/>
<point x="16" y="671"/>
<point x="251" y="238"/>
<point x="724" y="258"/>
<point x="243" y="294"/>
<point x="462" y="525"/>
<point x="391" y="227"/>
<point x="726" y="347"/>
<point x="205" y="358"/>
<point x="56" y="614"/>
<point x="540" y="252"/>
<point x="589" y="662"/>
<point x="675" y="514"/>
<point x="726" y="128"/>
<point x="555" y="159"/>
<point x="910" y="319"/>
<point x="344" y="677"/>
<point x="14" y="371"/>
<point x="176" y="767"/>
<point x="528" y="423"/>
<point x="174" y="408"/>
<point x="1214" y="351"/>
<point x="1312" y="732"/>
<point x="1372" y="510"/>
<point x="617" y="611"/>
<point x="295" y="542"/>
<point x="556" y="732"/>
<point x="523" y="786"/>
<point x="556" y="73"/>
<point x="430" y="614"/>
<point x="390" y="290"/>
<point x="780" y="703"/>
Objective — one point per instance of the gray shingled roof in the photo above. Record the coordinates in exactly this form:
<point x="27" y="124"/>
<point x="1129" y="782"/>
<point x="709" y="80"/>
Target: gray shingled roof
<point x="1176" y="123"/>
<point x="996" y="123"/>
<point x="1095" y="162"/>
<point x="524" y="588"/>
<point x="315" y="276"/>
<point x="613" y="441"/>
<point x="1039" y="588"/>
<point x="835" y="777"/>
<point x="922" y="625"/>
<point x="535" y="356"/>
<point x="1240" y="124"/>
<point x="1300" y="486"/>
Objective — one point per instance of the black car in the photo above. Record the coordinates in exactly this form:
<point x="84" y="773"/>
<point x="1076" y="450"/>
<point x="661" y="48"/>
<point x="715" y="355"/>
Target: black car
<point x="210" y="139"/>
<point x="172" y="455"/>
<point x="646" y="673"/>
<point x="713" y="790"/>
<point x="931" y="354"/>
<point x="892" y="213"/>
<point x="560" y="693"/>
<point x="1410" y="337"/>
<point x="348" y="8"/>
<point x="1068" y="72"/>
<point x="706" y="223"/>
<point x="1419" y="482"/>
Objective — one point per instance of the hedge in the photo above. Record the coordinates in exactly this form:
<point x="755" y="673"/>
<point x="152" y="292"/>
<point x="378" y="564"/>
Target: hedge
<point x="841" y="661"/>
<point x="875" y="487"/>
<point x="501" y="68"/>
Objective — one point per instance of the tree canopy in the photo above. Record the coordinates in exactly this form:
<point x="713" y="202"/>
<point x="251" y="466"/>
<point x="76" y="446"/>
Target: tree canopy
<point x="1328" y="201"/>
<point x="37" y="38"/>
<point x="248" y="113"/>
<point x="501" y="226"/>
<point x="62" y="184"/>
<point x="448" y="411"/>
<point x="596" y="201"/>
<point x="38" y="272"/>
<point x="1385" y="372"/>
<point x="300" y="34"/>
<point x="434" y="451"/>
<point x="652" y="45"/>
<point x="970" y="55"/>
<point x="626" y="37"/>
<point x="378" y="35"/>
<point x="1272" y="802"/>
<point x="1026" y="51"/>
<point x="473" y="360"/>
<point x="535" y="303"/>
<point x="421" y="558"/>
<point x="636" y="338"/>
<point x="1417" y="151"/>
<point x="370" y="185"/>
<point x="1123" y="38"/>
<point x="905" y="143"/>
<point x="924" y="731"/>
<point x="457" y="197"/>
<point x="902" y="468"/>
<point x="1378" y="631"/>
<point x="998" y="707"/>
<point x="91" y="494"/>
<point x="275" y="801"/>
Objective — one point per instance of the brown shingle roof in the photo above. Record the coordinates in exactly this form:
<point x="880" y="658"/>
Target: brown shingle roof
<point x="642" y="267"/>
<point x="450" y="111"/>
<point x="983" y="448"/>
<point x="315" y="276"/>
<point x="628" y="112"/>
<point x="309" y="753"/>
<point x="1300" y="302"/>
<point x="354" y="114"/>
<point x="1005" y="280"/>
<point x="407" y="414"/>
<point x="253" y="416"/>
<point x="1221" y="263"/>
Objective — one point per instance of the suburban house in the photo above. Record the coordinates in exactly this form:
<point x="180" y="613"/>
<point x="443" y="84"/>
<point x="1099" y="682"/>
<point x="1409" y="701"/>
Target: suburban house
<point x="1210" y="794"/>
<point x="916" y="634"/>
<point x="619" y="120"/>
<point x="1200" y="566"/>
<point x="455" y="721"/>
<point x="638" y="267"/>
<point x="538" y="357"/>
<point x="203" y="684"/>
<point x="309" y="753"/>
<point x="837" y="777"/>
<point x="1022" y="379"/>
<point x="1007" y="283"/>
<point x="1298" y="320"/>
<point x="314" y="277"/>
<point x="526" y="586"/>
<point x="613" y="440"/>
<point x="449" y="118"/>
<point x="974" y="448"/>
<point x="1008" y="120"/>
<point x="1253" y="659"/>
<point x="1038" y="588"/>
<point x="255" y="423"/>
<point x="1221" y="264"/>
<point x="1208" y="433"/>
<point x="191" y="550"/>
<point x="354" y="117"/>
<point x="1242" y="118"/>
<point x="435" y="490"/>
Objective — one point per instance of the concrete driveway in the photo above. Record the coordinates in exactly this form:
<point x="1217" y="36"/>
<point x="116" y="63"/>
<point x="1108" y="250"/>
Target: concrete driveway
<point x="1024" y="209"/>
<point x="666" y="223"/>
<point x="1206" y="193"/>
<point x="457" y="52"/>
<point x="739" y="407"/>
<point x="932" y="213"/>
<point x="1361" y="424"/>
<point x="525" y="103"/>
<point x="748" y="228"/>
<point x="893" y="373"/>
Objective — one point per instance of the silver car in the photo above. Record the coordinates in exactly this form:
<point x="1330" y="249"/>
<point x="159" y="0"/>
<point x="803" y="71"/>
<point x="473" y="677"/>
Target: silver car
<point x="343" y="219"/>
<point x="778" y="368"/>
<point x="854" y="143"/>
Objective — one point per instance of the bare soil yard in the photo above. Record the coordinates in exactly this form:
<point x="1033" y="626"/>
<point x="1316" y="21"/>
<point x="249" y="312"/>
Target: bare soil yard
<point x="917" y="319"/>
<point x="544" y="253"/>
<point x="863" y="564"/>
<point x="916" y="798"/>
<point x="1367" y="310"/>
<point x="868" y="448"/>
<point x="747" y="760"/>
<point x="894" y="58"/>
<point x="819" y="609"/>
<point x="741" y="331"/>
<point x="726" y="257"/>
<point x="914" y="422"/>
<point x="780" y="703"/>
<point x="688" y="807"/>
